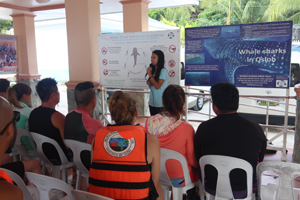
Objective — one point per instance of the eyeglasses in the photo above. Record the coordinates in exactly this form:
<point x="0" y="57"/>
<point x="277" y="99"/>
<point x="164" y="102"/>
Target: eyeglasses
<point x="15" y="118"/>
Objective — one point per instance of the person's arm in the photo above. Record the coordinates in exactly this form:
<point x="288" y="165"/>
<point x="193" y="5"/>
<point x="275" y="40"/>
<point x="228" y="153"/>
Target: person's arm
<point x="9" y="191"/>
<point x="92" y="126"/>
<point x="162" y="77"/>
<point x="197" y="146"/>
<point x="156" y="84"/>
<point x="58" y="121"/>
<point x="263" y="148"/>
<point x="148" y="83"/>
<point x="153" y="157"/>
<point x="92" y="150"/>
<point x="190" y="152"/>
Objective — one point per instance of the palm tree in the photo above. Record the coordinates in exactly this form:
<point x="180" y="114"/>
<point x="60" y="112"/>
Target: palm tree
<point x="179" y="15"/>
<point x="280" y="10"/>
<point x="253" y="11"/>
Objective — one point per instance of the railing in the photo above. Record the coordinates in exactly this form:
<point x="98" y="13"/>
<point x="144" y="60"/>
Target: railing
<point x="206" y="95"/>
<point x="268" y="99"/>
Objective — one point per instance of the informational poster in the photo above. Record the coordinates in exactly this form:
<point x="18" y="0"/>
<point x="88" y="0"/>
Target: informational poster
<point x="8" y="54"/>
<point x="247" y="55"/>
<point x="124" y="57"/>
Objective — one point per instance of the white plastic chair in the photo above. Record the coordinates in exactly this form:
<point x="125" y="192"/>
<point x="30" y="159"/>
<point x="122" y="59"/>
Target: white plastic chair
<point x="20" y="134"/>
<point x="40" y="140"/>
<point x="286" y="172"/>
<point x="15" y="153"/>
<point x="224" y="165"/>
<point x="46" y="183"/>
<point x="83" y="195"/>
<point x="77" y="147"/>
<point x="20" y="183"/>
<point x="167" y="154"/>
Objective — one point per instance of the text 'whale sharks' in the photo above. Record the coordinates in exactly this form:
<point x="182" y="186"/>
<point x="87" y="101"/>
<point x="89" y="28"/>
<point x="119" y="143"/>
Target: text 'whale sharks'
<point x="269" y="56"/>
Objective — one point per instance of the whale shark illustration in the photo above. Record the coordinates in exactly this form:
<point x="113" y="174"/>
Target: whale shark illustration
<point x="135" y="54"/>
<point x="269" y="56"/>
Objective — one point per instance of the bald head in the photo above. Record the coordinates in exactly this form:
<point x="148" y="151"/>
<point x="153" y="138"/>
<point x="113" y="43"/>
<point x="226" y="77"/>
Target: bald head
<point x="6" y="114"/>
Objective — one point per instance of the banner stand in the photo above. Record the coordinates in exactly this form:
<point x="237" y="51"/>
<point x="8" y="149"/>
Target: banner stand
<point x="296" y="152"/>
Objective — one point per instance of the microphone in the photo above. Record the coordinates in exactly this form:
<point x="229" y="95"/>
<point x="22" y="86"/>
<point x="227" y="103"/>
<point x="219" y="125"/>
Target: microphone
<point x="151" y="65"/>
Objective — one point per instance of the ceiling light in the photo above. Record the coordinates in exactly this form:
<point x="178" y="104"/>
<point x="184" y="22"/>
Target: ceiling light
<point x="43" y="1"/>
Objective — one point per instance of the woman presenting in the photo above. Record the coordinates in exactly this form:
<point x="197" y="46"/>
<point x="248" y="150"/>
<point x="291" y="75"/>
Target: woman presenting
<point x="157" y="81"/>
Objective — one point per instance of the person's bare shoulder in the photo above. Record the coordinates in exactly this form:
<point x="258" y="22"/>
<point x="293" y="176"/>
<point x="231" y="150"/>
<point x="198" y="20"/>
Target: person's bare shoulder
<point x="153" y="141"/>
<point x="9" y="191"/>
<point x="57" y="119"/>
<point x="153" y="147"/>
<point x="57" y="115"/>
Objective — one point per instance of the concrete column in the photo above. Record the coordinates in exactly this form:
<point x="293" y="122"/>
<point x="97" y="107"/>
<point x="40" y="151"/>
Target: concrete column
<point x="27" y="61"/>
<point x="135" y="19"/>
<point x="83" y="26"/>
<point x="296" y="151"/>
<point x="135" y="15"/>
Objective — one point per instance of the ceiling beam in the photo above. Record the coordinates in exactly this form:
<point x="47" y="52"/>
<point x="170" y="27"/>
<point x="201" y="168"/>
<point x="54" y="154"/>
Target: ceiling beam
<point x="14" y="7"/>
<point x="49" y="7"/>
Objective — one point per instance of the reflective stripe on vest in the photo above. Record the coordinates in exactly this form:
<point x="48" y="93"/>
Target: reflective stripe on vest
<point x="119" y="168"/>
<point x="5" y="176"/>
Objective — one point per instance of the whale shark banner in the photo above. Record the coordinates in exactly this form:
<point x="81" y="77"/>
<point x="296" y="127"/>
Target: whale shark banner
<point x="247" y="55"/>
<point x="124" y="57"/>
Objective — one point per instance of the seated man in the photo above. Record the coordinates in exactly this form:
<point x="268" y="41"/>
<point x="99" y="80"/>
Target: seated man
<point x="229" y="134"/>
<point x="7" y="138"/>
<point x="47" y="121"/>
<point x="78" y="123"/>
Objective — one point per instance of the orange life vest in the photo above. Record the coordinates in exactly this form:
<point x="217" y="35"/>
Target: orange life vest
<point x="119" y="167"/>
<point x="5" y="176"/>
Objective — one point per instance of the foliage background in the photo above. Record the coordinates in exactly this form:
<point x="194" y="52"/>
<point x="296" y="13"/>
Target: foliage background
<point x="222" y="12"/>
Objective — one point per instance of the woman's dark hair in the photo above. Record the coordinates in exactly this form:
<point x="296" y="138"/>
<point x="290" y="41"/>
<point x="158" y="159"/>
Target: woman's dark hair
<point x="16" y="92"/>
<point x="160" y="63"/>
<point x="174" y="100"/>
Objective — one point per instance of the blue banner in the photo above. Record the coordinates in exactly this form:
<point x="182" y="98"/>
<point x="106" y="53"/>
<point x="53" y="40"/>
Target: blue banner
<point x="247" y="55"/>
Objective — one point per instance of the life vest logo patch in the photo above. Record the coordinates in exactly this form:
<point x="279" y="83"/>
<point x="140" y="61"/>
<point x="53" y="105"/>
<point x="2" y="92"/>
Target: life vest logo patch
<point x="117" y="146"/>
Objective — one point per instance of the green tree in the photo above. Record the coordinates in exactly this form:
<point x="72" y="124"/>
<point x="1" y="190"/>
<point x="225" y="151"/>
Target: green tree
<point x="156" y="13"/>
<point x="5" y="25"/>
<point x="178" y="17"/>
<point x="222" y="12"/>
<point x="280" y="10"/>
<point x="216" y="12"/>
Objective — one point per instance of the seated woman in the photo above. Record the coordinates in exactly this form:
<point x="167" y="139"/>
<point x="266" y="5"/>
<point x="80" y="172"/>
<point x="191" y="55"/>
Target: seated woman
<point x="175" y="134"/>
<point x="124" y="157"/>
<point x="19" y="96"/>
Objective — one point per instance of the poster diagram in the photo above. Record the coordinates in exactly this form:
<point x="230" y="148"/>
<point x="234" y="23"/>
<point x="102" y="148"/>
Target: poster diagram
<point x="124" y="57"/>
<point x="135" y="61"/>
<point x="247" y="55"/>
